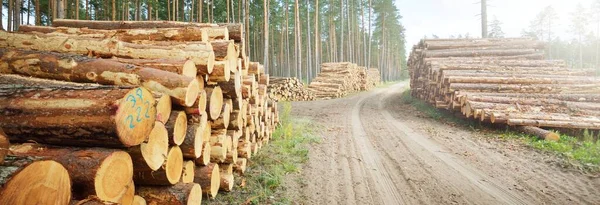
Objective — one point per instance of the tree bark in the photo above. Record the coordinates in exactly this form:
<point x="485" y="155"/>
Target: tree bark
<point x="215" y="101"/>
<point x="110" y="117"/>
<point x="184" y="90"/>
<point x="114" y="25"/>
<point x="22" y="176"/>
<point x="106" y="173"/>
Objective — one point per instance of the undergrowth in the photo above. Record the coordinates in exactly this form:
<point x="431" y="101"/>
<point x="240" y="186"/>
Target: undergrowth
<point x="286" y="152"/>
<point x="581" y="153"/>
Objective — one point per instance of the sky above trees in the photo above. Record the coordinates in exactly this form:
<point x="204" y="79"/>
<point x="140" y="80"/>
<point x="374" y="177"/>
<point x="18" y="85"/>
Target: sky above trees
<point x="452" y="17"/>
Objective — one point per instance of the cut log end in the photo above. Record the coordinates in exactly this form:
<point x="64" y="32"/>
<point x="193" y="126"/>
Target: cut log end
<point x="191" y="94"/>
<point x="129" y="195"/>
<point x="195" y="195"/>
<point x="163" y="108"/>
<point x="215" y="103"/>
<point x="157" y="147"/>
<point x="114" y="175"/>
<point x="198" y="140"/>
<point x="41" y="182"/>
<point x="180" y="128"/>
<point x="204" y="158"/>
<point x="138" y="200"/>
<point x="188" y="172"/>
<point x="135" y="116"/>
<point x="202" y="102"/>
<point x="210" y="62"/>
<point x="189" y="69"/>
<point x="174" y="165"/>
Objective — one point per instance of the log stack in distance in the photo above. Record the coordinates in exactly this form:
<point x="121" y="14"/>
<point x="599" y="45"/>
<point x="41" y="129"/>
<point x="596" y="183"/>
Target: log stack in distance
<point x="505" y="81"/>
<point x="128" y="112"/>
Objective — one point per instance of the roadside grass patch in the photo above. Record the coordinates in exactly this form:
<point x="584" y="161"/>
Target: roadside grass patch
<point x="285" y="153"/>
<point x="581" y="153"/>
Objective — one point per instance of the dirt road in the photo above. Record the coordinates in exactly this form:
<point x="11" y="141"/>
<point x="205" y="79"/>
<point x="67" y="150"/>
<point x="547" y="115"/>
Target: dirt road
<point x="376" y="150"/>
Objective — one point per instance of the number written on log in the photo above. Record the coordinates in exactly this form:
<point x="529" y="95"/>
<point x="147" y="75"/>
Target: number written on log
<point x="138" y="109"/>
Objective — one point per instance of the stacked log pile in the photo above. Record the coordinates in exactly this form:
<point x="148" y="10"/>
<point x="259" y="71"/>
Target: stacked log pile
<point x="504" y="81"/>
<point x="125" y="112"/>
<point x="373" y="78"/>
<point x="338" y="79"/>
<point x="289" y="89"/>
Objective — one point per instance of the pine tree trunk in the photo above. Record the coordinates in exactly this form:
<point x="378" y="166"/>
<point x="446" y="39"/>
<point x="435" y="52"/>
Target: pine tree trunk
<point x="10" y="16"/>
<point x="87" y="9"/>
<point x="369" y="45"/>
<point x="192" y="11"/>
<point x="28" y="10"/>
<point x="317" y="39"/>
<point x="308" y="50"/>
<point x="342" y="31"/>
<point x="265" y="30"/>
<point x="287" y="40"/>
<point x="298" y="45"/>
<point x="227" y="3"/>
<point x="200" y="5"/>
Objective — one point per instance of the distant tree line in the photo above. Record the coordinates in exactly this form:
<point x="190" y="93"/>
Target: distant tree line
<point x="290" y="37"/>
<point x="582" y="50"/>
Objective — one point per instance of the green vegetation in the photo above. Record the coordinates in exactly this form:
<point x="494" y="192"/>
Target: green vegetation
<point x="285" y="154"/>
<point x="581" y="153"/>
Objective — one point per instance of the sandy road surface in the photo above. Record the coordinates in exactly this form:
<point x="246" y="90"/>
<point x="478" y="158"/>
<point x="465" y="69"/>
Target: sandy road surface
<point x="376" y="150"/>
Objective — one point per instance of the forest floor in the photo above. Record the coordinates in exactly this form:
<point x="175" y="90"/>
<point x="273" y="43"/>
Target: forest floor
<point x="374" y="149"/>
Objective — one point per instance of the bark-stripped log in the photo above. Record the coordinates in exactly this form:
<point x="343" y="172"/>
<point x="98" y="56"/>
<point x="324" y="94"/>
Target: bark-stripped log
<point x="240" y="166"/>
<point x="181" y="67"/>
<point x="177" y="127"/>
<point x="106" y="173"/>
<point x="540" y="133"/>
<point x="152" y="153"/>
<point x="163" y="107"/>
<point x="71" y="116"/>
<point x="200" y="53"/>
<point x="24" y="180"/>
<point x="209" y="177"/>
<point x="76" y="68"/>
<point x="204" y="158"/>
<point x="126" y="35"/>
<point x="214" y="102"/>
<point x="113" y="25"/>
<point x="168" y="174"/>
<point x="179" y="194"/>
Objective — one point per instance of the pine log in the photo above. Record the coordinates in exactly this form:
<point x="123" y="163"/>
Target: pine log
<point x="209" y="177"/>
<point x="90" y="200"/>
<point x="200" y="53"/>
<point x="214" y="101"/>
<point x="523" y="80"/>
<point x="232" y="88"/>
<point x="236" y="120"/>
<point x="182" y="67"/>
<point x="24" y="180"/>
<point x="106" y="173"/>
<point x="226" y="182"/>
<point x="540" y="133"/>
<point x="223" y="121"/>
<point x="479" y="53"/>
<point x="192" y="145"/>
<point x="244" y="149"/>
<point x="187" y="175"/>
<point x="113" y="25"/>
<point x="82" y="117"/>
<point x="152" y="153"/>
<point x="126" y="35"/>
<point x="221" y="72"/>
<point x="168" y="174"/>
<point x="4" y="145"/>
<point x="199" y="107"/>
<point x="554" y="123"/>
<point x="225" y="51"/>
<point x="204" y="158"/>
<point x="240" y="166"/>
<point x="177" y="127"/>
<point x="138" y="200"/>
<point x="538" y="88"/>
<point x="236" y="31"/>
<point x="75" y="68"/>
<point x="129" y="194"/>
<point x="163" y="107"/>
<point x="216" y="33"/>
<point x="179" y="194"/>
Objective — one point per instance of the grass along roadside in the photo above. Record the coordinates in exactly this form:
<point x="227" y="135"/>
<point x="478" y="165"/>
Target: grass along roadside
<point x="580" y="153"/>
<point x="285" y="154"/>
